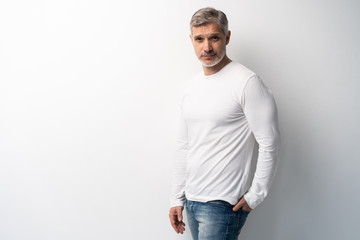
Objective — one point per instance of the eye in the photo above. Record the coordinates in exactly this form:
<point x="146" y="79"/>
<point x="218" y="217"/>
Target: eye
<point x="199" y="39"/>
<point x="214" y="38"/>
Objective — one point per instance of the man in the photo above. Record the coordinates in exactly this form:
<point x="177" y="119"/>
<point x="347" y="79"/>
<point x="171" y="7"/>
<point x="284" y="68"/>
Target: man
<point x="225" y="109"/>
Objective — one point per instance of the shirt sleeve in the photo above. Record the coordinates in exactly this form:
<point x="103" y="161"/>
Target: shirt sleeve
<point x="261" y="113"/>
<point x="177" y="196"/>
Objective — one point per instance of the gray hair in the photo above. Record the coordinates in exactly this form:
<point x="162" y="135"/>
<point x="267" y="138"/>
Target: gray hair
<point x="209" y="15"/>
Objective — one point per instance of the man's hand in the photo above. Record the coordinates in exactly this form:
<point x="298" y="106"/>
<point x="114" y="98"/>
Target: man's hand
<point x="242" y="204"/>
<point x="176" y="219"/>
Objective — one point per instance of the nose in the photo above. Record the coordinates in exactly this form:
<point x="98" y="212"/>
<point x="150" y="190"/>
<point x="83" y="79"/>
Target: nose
<point x="207" y="46"/>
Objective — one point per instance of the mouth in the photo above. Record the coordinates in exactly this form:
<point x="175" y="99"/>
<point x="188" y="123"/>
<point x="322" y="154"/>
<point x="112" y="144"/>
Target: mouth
<point x="208" y="55"/>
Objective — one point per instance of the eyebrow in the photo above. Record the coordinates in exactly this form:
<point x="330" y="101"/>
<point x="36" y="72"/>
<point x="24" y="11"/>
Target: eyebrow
<point x="210" y="35"/>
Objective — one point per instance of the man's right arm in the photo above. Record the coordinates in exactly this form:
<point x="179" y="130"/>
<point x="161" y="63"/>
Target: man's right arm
<point x="177" y="197"/>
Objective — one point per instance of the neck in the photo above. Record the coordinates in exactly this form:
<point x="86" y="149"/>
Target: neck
<point x="212" y="70"/>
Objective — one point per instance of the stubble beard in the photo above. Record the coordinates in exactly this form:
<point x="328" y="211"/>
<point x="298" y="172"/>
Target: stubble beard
<point x="216" y="60"/>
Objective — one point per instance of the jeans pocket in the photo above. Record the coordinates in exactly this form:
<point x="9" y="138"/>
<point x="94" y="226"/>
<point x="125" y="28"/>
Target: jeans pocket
<point x="246" y="212"/>
<point x="242" y="219"/>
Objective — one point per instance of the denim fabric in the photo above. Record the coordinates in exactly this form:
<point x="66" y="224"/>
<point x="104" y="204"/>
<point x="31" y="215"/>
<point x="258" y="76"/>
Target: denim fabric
<point x="214" y="220"/>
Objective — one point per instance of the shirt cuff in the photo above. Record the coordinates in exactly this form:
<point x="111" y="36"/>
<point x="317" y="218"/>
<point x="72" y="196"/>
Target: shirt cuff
<point x="176" y="203"/>
<point x="252" y="200"/>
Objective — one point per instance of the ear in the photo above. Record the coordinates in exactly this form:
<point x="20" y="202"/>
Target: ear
<point x="228" y="37"/>
<point x="191" y="38"/>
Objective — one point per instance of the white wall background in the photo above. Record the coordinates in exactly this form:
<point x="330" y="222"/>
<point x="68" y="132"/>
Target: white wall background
<point x="89" y="94"/>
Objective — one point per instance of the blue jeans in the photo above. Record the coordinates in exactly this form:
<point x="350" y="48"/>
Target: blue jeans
<point x="214" y="220"/>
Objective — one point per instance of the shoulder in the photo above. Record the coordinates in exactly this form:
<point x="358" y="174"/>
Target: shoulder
<point x="240" y="71"/>
<point x="238" y="76"/>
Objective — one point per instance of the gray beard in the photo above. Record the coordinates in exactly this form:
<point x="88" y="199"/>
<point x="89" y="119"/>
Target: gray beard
<point x="215" y="62"/>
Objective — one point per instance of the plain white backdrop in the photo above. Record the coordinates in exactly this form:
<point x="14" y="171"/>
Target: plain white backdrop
<point x="89" y="107"/>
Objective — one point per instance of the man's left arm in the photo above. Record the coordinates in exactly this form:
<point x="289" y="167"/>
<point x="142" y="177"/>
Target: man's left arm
<point x="261" y="114"/>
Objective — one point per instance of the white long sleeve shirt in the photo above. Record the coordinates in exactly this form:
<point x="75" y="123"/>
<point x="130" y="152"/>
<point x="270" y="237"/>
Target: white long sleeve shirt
<point x="222" y="116"/>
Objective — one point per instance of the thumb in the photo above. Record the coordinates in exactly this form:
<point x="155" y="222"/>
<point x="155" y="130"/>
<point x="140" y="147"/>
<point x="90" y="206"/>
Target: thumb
<point x="179" y="214"/>
<point x="237" y="206"/>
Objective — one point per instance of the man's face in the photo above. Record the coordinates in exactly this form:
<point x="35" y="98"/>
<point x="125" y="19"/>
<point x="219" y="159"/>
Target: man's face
<point x="209" y="43"/>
